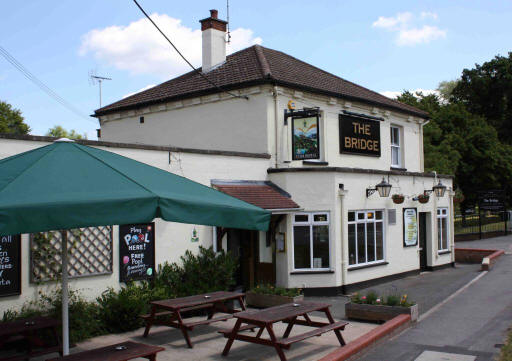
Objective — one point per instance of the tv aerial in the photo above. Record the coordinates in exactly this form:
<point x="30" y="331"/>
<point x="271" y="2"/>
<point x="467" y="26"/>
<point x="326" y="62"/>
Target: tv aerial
<point x="96" y="79"/>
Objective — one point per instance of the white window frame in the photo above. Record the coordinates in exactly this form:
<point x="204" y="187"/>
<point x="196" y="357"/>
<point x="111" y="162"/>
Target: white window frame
<point x="442" y="213"/>
<point x="397" y="146"/>
<point x="365" y="221"/>
<point x="310" y="222"/>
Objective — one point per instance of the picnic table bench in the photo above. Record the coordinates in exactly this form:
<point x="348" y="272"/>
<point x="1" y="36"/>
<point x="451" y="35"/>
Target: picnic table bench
<point x="288" y="313"/>
<point x="119" y="352"/>
<point x="28" y="330"/>
<point x="173" y="309"/>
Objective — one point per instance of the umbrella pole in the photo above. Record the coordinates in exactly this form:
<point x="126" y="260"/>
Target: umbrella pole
<point x="65" y="295"/>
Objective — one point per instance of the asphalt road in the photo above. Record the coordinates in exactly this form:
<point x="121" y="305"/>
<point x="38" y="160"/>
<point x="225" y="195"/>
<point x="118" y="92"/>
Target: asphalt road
<point x="474" y="323"/>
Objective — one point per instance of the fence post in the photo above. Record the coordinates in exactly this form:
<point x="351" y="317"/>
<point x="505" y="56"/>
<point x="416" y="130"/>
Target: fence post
<point x="479" y="223"/>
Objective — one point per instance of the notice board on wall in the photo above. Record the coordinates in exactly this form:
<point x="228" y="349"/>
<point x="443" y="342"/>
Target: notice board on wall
<point x="10" y="265"/>
<point x="136" y="252"/>
<point x="410" y="227"/>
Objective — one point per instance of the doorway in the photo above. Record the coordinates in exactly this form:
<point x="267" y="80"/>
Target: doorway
<point x="423" y="240"/>
<point x="245" y="245"/>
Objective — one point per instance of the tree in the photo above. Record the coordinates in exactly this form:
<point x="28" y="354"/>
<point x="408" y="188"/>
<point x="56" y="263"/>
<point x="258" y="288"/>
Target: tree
<point x="486" y="90"/>
<point x="464" y="144"/>
<point x="59" y="132"/>
<point x="11" y="120"/>
<point x="445" y="89"/>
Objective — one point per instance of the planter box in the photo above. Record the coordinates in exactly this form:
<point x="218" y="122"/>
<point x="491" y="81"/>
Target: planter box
<point x="263" y="301"/>
<point x="378" y="313"/>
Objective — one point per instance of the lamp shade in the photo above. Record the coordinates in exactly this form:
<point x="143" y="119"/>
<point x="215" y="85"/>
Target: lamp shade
<point x="384" y="188"/>
<point x="439" y="189"/>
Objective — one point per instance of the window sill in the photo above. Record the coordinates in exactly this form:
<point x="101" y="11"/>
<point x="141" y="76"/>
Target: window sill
<point x="444" y="252"/>
<point x="354" y="268"/>
<point x="314" y="162"/>
<point x="306" y="272"/>
<point x="398" y="168"/>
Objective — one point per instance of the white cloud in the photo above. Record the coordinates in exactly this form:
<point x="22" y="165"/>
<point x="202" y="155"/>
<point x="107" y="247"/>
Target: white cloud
<point x="140" y="90"/>
<point x="409" y="29"/>
<point x="394" y="94"/>
<point x="140" y="49"/>
<point x="420" y="35"/>
<point x="393" y="22"/>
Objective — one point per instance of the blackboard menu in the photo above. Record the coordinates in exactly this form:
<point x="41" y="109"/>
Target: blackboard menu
<point x="10" y="265"/>
<point x="136" y="251"/>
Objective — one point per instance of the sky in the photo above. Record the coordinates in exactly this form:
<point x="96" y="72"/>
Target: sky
<point x="385" y="46"/>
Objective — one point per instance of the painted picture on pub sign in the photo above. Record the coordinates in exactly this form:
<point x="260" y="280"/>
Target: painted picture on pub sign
<point x="305" y="138"/>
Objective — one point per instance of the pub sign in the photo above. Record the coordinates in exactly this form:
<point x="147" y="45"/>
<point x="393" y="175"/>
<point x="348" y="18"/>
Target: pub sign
<point x="305" y="138"/>
<point x="136" y="251"/>
<point x="359" y="135"/>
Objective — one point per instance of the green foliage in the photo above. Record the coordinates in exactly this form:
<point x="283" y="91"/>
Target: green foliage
<point x="59" y="132"/>
<point x="205" y="272"/>
<point x="486" y="90"/>
<point x="393" y="300"/>
<point x="459" y="142"/>
<point x="83" y="315"/>
<point x="268" y="289"/>
<point x="11" y="120"/>
<point x="506" y="350"/>
<point x="119" y="310"/>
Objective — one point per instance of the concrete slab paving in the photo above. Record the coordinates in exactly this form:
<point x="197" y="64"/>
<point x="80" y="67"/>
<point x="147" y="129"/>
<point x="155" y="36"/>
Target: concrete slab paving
<point x="504" y="243"/>
<point x="443" y="356"/>
<point x="208" y="344"/>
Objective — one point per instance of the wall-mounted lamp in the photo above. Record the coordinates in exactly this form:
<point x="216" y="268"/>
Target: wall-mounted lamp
<point x="439" y="189"/>
<point x="384" y="188"/>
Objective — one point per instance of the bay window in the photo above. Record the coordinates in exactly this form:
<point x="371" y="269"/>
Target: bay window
<point x="365" y="237"/>
<point x="311" y="241"/>
<point x="442" y="229"/>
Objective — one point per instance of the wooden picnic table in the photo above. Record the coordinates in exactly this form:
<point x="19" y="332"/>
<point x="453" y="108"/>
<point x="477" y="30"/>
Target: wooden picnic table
<point x="28" y="330"/>
<point x="119" y="352"/>
<point x="288" y="313"/>
<point x="173" y="309"/>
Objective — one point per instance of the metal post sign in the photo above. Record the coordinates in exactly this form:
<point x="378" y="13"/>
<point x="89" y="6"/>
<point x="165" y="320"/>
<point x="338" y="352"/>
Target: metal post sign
<point x="136" y="251"/>
<point x="491" y="200"/>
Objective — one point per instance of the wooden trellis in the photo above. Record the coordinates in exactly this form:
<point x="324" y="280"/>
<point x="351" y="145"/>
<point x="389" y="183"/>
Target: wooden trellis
<point x="90" y="253"/>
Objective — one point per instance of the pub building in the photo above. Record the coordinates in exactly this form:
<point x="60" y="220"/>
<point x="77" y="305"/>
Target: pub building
<point x="340" y="167"/>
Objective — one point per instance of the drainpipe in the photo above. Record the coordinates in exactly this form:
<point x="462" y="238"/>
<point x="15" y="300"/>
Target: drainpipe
<point x="451" y="194"/>
<point x="276" y="127"/>
<point x="342" y="193"/>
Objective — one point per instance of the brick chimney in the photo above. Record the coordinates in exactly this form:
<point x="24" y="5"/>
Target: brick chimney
<point x="214" y="41"/>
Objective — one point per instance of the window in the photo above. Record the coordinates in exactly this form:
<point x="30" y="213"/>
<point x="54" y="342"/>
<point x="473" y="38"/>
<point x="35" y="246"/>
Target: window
<point x="396" y="153"/>
<point x="365" y="237"/>
<point x="442" y="229"/>
<point x="311" y="240"/>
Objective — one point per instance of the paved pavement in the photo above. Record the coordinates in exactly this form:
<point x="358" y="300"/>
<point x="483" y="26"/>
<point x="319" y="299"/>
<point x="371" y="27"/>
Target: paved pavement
<point x="470" y="326"/>
<point x="504" y="243"/>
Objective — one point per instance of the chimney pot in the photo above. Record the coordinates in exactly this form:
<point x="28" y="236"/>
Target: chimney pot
<point x="214" y="14"/>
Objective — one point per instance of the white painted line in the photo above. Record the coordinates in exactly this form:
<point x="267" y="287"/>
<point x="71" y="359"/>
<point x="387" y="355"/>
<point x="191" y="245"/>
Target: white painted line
<point x="455" y="294"/>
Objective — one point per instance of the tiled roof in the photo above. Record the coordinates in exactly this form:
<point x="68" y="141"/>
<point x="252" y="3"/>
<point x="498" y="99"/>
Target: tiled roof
<point x="262" y="194"/>
<point x="258" y="65"/>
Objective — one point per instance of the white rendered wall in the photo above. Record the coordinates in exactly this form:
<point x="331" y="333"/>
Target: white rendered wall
<point x="318" y="191"/>
<point x="218" y="122"/>
<point x="172" y="239"/>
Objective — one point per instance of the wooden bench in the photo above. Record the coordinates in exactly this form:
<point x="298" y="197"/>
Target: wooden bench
<point x="226" y="333"/>
<point x="287" y="342"/>
<point x="119" y="352"/>
<point x="191" y="325"/>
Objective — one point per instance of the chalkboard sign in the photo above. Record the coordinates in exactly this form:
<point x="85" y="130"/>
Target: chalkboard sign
<point x="10" y="265"/>
<point x="491" y="200"/>
<point x="136" y="252"/>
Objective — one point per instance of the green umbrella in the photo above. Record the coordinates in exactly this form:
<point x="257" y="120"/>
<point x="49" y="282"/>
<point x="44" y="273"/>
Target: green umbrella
<point x="67" y="185"/>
